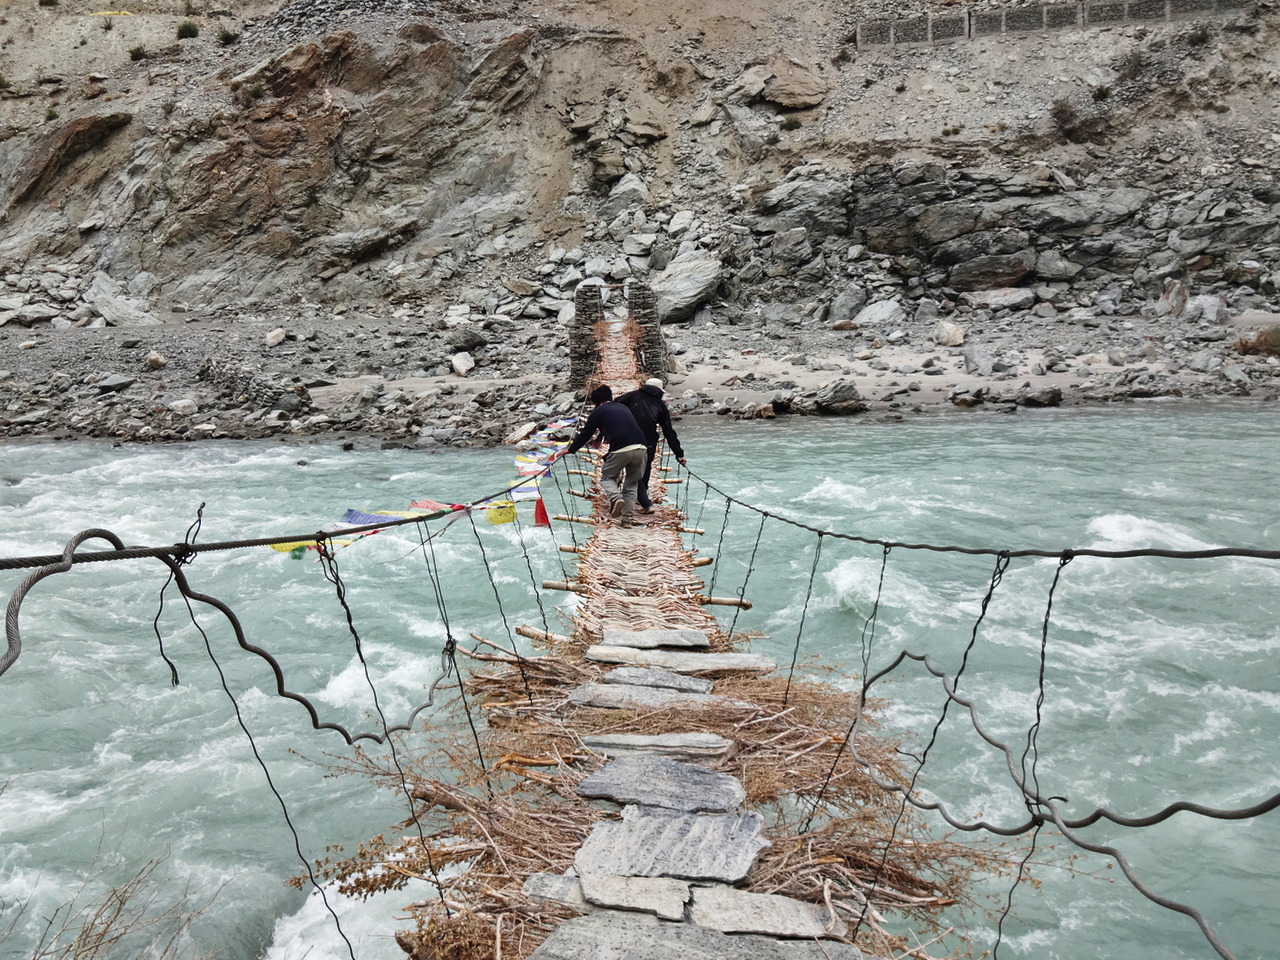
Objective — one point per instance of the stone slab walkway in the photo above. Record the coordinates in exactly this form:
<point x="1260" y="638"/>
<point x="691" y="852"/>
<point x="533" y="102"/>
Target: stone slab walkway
<point x="661" y="880"/>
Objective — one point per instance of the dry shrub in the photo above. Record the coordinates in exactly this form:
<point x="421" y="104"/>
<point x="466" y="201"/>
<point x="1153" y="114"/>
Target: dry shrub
<point x="1130" y="66"/>
<point x="838" y="838"/>
<point x="1064" y="116"/>
<point x="1266" y="343"/>
<point x="463" y="936"/>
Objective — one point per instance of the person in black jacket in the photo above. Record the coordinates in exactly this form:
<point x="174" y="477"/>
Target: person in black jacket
<point x="651" y="413"/>
<point x="624" y="463"/>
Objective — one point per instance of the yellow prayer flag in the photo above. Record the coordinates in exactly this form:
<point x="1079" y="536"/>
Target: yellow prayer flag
<point x="501" y="511"/>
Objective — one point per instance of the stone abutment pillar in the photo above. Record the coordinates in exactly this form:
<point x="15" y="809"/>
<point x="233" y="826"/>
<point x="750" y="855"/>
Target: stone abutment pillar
<point x="651" y="351"/>
<point x="584" y="351"/>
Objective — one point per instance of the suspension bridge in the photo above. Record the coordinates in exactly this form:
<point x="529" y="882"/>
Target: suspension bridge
<point x="641" y="781"/>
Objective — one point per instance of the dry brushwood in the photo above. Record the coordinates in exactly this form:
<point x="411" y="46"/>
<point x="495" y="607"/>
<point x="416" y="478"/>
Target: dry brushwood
<point x="1266" y="343"/>
<point x="516" y="813"/>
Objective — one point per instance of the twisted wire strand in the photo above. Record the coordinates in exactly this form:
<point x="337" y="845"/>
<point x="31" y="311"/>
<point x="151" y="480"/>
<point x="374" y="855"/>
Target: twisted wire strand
<point x="175" y="569"/>
<point x="1035" y="803"/>
<point x="1013" y="888"/>
<point x="193" y="531"/>
<point x="751" y="565"/>
<point x="1032" y="750"/>
<point x="533" y="581"/>
<point x="996" y="576"/>
<point x="14" y="635"/>
<point x="862" y="697"/>
<point x="497" y="598"/>
<point x="450" y="648"/>
<point x="804" y="612"/>
<point x="1206" y="928"/>
<point x="711" y="587"/>
<point x="1099" y="813"/>
<point x="155" y="628"/>
<point x="329" y="567"/>
<point x="1207" y="554"/>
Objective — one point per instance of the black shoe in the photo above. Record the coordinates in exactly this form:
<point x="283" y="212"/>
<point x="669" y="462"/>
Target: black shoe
<point x="615" y="507"/>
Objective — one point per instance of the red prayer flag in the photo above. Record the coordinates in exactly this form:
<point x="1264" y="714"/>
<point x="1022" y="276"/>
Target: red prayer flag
<point x="540" y="518"/>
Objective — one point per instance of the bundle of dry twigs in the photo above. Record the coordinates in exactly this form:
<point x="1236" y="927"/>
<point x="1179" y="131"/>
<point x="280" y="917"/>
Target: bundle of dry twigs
<point x="511" y="810"/>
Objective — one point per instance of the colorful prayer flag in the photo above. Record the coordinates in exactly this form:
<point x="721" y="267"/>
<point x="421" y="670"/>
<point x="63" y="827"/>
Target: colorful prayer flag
<point x="435" y="506"/>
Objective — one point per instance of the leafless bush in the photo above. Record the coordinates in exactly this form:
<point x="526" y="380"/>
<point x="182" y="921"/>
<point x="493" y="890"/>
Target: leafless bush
<point x="101" y="921"/>
<point x="1266" y="343"/>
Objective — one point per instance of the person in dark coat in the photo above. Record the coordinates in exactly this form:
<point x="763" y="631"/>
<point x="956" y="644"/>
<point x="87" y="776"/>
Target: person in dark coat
<point x="651" y="413"/>
<point x="624" y="463"/>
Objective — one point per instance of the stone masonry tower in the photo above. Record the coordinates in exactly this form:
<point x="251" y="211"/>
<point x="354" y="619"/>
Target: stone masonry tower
<point x="584" y="351"/>
<point x="651" y="351"/>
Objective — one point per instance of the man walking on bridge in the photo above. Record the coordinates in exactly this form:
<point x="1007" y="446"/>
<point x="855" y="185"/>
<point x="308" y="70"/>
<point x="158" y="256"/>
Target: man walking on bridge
<point x="651" y="413"/>
<point x="626" y="456"/>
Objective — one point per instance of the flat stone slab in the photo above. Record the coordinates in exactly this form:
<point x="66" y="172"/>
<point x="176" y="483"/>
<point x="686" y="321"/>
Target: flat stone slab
<point x="679" y="661"/>
<point x="737" y="911"/>
<point x="659" y="782"/>
<point x="609" y="935"/>
<point x="625" y="696"/>
<point x="656" y="638"/>
<point x="660" y="896"/>
<point x="557" y="888"/>
<point x="651" y="842"/>
<point x="689" y="747"/>
<point x="653" y="677"/>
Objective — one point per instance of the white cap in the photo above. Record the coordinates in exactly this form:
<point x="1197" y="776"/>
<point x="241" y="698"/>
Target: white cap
<point x="653" y="382"/>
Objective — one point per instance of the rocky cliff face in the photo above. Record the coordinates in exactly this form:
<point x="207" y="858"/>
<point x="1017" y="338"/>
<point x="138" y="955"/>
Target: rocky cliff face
<point x="263" y="181"/>
<point x="401" y="159"/>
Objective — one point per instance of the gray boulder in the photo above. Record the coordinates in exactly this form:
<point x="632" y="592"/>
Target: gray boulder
<point x="844" y="308"/>
<point x="114" y="383"/>
<point x="630" y="191"/>
<point x="839" y="398"/>
<point x="792" y="248"/>
<point x="688" y="281"/>
<point x="1173" y="299"/>
<point x="1052" y="265"/>
<point x="982" y="243"/>
<point x="103" y="294"/>
<point x="466" y="338"/>
<point x="1000" y="298"/>
<point x="1044" y="395"/>
<point x="977" y="361"/>
<point x="1205" y="361"/>
<point x="881" y="313"/>
<point x="820" y="206"/>
<point x="1205" y="306"/>
<point x="1001" y="270"/>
